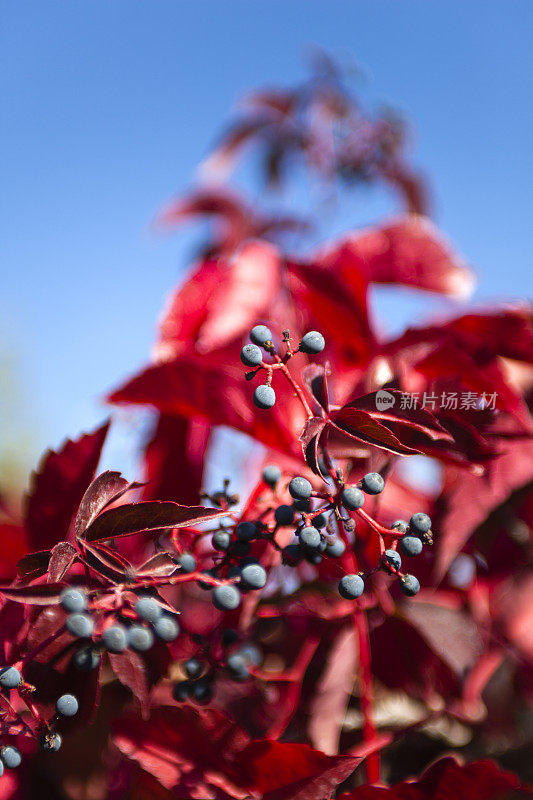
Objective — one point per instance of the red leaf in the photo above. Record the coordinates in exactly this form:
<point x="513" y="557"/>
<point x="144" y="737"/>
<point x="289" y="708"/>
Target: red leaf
<point x="149" y="516"/>
<point x="58" y="487"/>
<point x="61" y="559"/>
<point x="415" y="418"/>
<point x="410" y="251"/>
<point x="160" y="564"/>
<point x="316" y="380"/>
<point x="310" y="439"/>
<point x="332" y="692"/>
<point x="448" y="780"/>
<point x="360" y="425"/>
<point x="105" y="489"/>
<point x="107" y="562"/>
<point x="41" y="594"/>
<point x="130" y="669"/>
<point x="286" y="771"/>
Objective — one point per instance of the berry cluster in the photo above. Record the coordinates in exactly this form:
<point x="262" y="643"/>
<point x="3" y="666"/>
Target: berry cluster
<point x="43" y="730"/>
<point x="139" y="635"/>
<point x="264" y="395"/>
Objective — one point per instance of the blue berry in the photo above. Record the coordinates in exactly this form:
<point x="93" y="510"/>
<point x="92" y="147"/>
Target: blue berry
<point x="312" y="343"/>
<point x="253" y="576"/>
<point x="221" y="541"/>
<point x="237" y="668"/>
<point x="240" y="549"/>
<point x="86" y="658"/>
<point x="419" y="523"/>
<point x="147" y="609"/>
<point x="309" y="538"/>
<point x="284" y="515"/>
<point x="300" y="488"/>
<point x="187" y="562"/>
<point x="193" y="668"/>
<point x="400" y="525"/>
<point x="271" y="474"/>
<point x="260" y="335"/>
<point x="182" y="691"/>
<point x="264" y="397"/>
<point x="140" y="639"/>
<point x="9" y="678"/>
<point x="313" y="557"/>
<point x="50" y="742"/>
<point x="352" y="498"/>
<point x="409" y="585"/>
<point x="202" y="691"/>
<point x="251" y="653"/>
<point x="226" y="598"/>
<point x="80" y="625"/>
<point x="411" y="545"/>
<point x="1" y="769"/>
<point x="245" y="531"/>
<point x="115" y="638"/>
<point x="10" y="757"/>
<point x="391" y="558"/>
<point x="67" y="705"/>
<point x="372" y="483"/>
<point x="336" y="548"/>
<point x="229" y="637"/>
<point x="351" y="587"/>
<point x="73" y="601"/>
<point x="251" y="355"/>
<point x="292" y="555"/>
<point x="166" y="628"/>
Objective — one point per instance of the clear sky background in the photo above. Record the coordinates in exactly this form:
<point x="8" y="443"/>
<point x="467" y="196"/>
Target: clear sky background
<point x="107" y="107"/>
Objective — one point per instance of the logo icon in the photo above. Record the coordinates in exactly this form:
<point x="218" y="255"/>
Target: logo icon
<point x="384" y="400"/>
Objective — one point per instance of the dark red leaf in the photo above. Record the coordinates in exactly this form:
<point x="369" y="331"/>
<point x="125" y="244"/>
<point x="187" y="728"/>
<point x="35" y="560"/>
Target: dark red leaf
<point x="359" y="425"/>
<point x="160" y="564"/>
<point x="149" y="516"/>
<point x="40" y="594"/>
<point x="414" y="418"/>
<point x="286" y="771"/>
<point x="316" y="379"/>
<point x="448" y="780"/>
<point x="131" y="671"/>
<point x="34" y="562"/>
<point x="58" y="487"/>
<point x="105" y="489"/>
<point x="107" y="562"/>
<point x="61" y="559"/>
<point x="310" y="439"/>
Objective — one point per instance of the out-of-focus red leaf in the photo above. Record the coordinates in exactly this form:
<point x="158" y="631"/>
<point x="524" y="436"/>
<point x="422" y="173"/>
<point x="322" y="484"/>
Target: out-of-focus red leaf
<point x="195" y="386"/>
<point x="189" y="750"/>
<point x="448" y="780"/>
<point x="61" y="559"/>
<point x="286" y="771"/>
<point x="14" y="549"/>
<point x="410" y="251"/>
<point x="460" y="515"/>
<point x="415" y="668"/>
<point x="57" y="488"/>
<point x="39" y="594"/>
<point x="130" y="669"/>
<point x="328" y="707"/>
<point x="147" y="516"/>
<point x="105" y="489"/>
<point x="174" y="459"/>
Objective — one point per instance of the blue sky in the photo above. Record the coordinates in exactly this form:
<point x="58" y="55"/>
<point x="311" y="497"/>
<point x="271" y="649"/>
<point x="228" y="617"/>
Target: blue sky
<point x="108" y="107"/>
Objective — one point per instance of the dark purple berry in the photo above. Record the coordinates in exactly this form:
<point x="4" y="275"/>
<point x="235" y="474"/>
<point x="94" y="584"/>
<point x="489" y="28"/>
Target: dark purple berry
<point x="67" y="705"/>
<point x="264" y="396"/>
<point x="352" y="498"/>
<point x="292" y="555"/>
<point x="50" y="742"/>
<point x="9" y="678"/>
<point x="246" y="531"/>
<point x="409" y="585"/>
<point x="202" y="692"/>
<point x="391" y="561"/>
<point x="251" y="355"/>
<point x="115" y="638"/>
<point x="221" y="541"/>
<point x="351" y="587"/>
<point x="253" y="576"/>
<point x="300" y="488"/>
<point x="271" y="474"/>
<point x="140" y="639"/>
<point x="147" y="609"/>
<point x="284" y="515"/>
<point x="193" y="668"/>
<point x="411" y="545"/>
<point x="80" y="625"/>
<point x="372" y="483"/>
<point x="419" y="523"/>
<point x="73" y="600"/>
<point x="86" y="658"/>
<point x="182" y="691"/>
<point x="260" y="335"/>
<point x="226" y="598"/>
<point x="312" y="343"/>
<point x="319" y="521"/>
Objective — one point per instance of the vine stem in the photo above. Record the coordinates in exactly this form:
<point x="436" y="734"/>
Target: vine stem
<point x="298" y="390"/>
